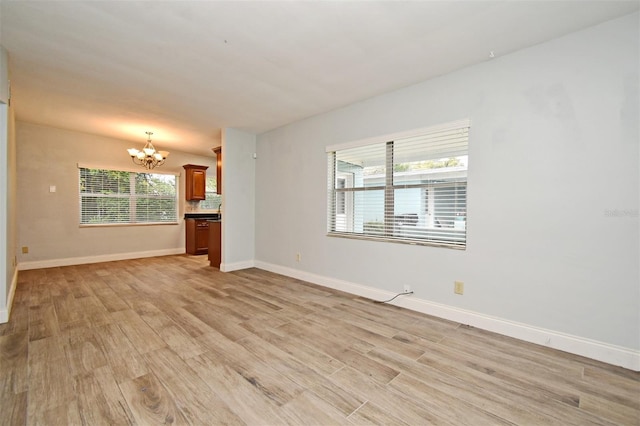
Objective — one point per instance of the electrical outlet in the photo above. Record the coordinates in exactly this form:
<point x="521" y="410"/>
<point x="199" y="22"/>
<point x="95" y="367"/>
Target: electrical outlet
<point x="25" y="250"/>
<point x="458" y="287"/>
<point x="407" y="288"/>
<point x="298" y="257"/>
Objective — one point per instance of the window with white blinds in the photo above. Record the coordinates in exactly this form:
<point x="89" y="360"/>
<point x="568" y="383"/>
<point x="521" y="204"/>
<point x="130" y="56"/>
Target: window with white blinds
<point x="411" y="188"/>
<point x="212" y="200"/>
<point x="123" y="197"/>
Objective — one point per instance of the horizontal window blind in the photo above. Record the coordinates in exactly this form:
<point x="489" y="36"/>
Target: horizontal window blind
<point x="411" y="189"/>
<point x="212" y="200"/>
<point x="122" y="197"/>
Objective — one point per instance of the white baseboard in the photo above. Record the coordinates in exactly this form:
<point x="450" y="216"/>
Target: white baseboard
<point x="53" y="263"/>
<point x="611" y="354"/>
<point x="235" y="266"/>
<point x="5" y="312"/>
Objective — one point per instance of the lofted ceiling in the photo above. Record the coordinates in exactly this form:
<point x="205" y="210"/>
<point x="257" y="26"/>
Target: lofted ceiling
<point x="186" y="69"/>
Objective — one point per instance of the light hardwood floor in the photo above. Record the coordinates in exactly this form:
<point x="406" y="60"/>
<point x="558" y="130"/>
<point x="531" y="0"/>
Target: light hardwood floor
<point x="171" y="340"/>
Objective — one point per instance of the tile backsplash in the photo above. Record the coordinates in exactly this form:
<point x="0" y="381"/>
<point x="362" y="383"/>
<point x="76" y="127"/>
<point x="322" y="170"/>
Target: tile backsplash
<point x="211" y="203"/>
<point x="196" y="207"/>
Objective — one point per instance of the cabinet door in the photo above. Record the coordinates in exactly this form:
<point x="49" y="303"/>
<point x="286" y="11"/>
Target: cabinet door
<point x="190" y="229"/>
<point x="202" y="236"/>
<point x="198" y="184"/>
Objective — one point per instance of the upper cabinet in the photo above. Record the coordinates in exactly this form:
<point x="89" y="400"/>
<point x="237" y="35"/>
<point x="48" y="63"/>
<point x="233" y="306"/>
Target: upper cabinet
<point x="218" y="152"/>
<point x="196" y="182"/>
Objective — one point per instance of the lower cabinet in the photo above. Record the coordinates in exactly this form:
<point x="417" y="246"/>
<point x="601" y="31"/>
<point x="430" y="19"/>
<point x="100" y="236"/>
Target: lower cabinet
<point x="197" y="236"/>
<point x="215" y="244"/>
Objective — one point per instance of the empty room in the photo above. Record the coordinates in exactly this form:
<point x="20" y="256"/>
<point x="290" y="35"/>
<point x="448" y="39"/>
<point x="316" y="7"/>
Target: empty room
<point x="319" y="212"/>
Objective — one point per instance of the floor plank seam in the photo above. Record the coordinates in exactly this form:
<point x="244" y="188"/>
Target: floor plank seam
<point x="358" y="409"/>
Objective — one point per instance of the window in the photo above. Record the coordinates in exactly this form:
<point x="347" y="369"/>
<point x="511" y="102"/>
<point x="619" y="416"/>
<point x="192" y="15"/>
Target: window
<point x="212" y="200"/>
<point x="411" y="188"/>
<point x="122" y="197"/>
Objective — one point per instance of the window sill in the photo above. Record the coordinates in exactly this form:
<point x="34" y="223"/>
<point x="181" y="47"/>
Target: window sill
<point x="431" y="243"/>
<point x="112" y="225"/>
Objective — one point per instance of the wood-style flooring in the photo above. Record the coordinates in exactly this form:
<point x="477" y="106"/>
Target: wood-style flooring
<point x="170" y="340"/>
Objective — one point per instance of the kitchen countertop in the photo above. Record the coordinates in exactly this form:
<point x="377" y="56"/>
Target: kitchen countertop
<point x="203" y="215"/>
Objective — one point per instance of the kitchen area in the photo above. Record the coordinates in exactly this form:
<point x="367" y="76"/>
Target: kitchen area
<point x="203" y="226"/>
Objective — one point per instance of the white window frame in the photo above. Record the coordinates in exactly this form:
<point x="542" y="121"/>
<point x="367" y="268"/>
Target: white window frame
<point x="132" y="197"/>
<point x="428" y="231"/>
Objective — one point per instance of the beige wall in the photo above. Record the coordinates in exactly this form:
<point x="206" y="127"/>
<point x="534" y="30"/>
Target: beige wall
<point x="48" y="222"/>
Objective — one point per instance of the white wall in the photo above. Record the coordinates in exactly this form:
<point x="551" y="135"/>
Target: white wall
<point x="238" y="199"/>
<point x="552" y="198"/>
<point x="8" y="270"/>
<point x="49" y="222"/>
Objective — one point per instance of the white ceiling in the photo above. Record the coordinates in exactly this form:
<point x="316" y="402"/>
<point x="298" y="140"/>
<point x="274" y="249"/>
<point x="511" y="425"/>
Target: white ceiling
<point x="185" y="69"/>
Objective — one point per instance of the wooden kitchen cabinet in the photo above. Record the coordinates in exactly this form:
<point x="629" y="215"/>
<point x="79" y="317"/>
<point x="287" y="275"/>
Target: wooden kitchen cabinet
<point x="215" y="244"/>
<point x="197" y="236"/>
<point x="218" y="152"/>
<point x="196" y="182"/>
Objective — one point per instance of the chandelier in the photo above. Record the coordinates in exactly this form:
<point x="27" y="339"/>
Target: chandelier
<point x="148" y="157"/>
